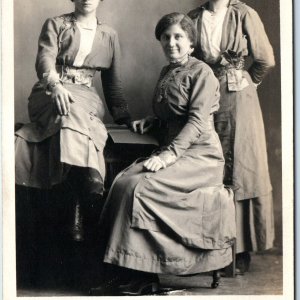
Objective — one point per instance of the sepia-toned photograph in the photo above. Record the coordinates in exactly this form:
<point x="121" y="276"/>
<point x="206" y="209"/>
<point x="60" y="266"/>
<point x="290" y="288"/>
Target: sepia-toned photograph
<point x="150" y="152"/>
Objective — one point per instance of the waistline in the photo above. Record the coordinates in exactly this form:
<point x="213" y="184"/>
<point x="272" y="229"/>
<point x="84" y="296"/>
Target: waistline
<point x="81" y="76"/>
<point x="180" y="122"/>
<point x="222" y="70"/>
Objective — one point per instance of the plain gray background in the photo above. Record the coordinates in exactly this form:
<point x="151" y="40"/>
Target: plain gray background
<point x="143" y="59"/>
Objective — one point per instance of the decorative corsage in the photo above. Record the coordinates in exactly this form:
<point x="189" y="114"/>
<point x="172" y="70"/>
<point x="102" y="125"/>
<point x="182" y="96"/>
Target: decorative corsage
<point x="233" y="58"/>
<point x="234" y="64"/>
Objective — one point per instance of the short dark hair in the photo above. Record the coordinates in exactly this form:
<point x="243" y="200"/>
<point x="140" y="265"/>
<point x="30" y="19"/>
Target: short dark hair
<point x="174" y="18"/>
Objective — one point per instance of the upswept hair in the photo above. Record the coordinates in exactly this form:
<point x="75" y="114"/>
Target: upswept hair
<point x="174" y="18"/>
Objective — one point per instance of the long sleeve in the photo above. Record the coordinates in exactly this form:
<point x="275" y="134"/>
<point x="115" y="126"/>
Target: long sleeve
<point x="47" y="49"/>
<point x="259" y="46"/>
<point x="204" y="95"/>
<point x="112" y="86"/>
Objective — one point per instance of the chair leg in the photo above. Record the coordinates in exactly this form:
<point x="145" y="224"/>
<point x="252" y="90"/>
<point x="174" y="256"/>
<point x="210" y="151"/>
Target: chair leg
<point x="234" y="258"/>
<point x="230" y="271"/>
<point x="216" y="279"/>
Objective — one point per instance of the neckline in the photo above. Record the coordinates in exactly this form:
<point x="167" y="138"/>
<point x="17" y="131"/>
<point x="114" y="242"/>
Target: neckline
<point x="89" y="26"/>
<point x="74" y="19"/>
<point x="231" y="3"/>
<point x="216" y="7"/>
<point x="179" y="64"/>
<point x="219" y="11"/>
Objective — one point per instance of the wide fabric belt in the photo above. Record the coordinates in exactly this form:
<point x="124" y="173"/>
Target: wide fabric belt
<point x="74" y="75"/>
<point x="222" y="70"/>
<point x="233" y="73"/>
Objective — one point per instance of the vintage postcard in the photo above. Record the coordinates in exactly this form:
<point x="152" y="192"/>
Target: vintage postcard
<point x="147" y="149"/>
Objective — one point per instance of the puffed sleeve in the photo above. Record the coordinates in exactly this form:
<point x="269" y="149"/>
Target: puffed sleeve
<point x="204" y="95"/>
<point x="112" y="86"/>
<point x="47" y="49"/>
<point x="259" y="46"/>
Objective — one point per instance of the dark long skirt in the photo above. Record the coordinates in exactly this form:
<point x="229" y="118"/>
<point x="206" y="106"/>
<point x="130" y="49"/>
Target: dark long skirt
<point x="179" y="220"/>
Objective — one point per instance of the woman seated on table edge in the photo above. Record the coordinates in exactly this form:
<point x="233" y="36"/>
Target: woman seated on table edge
<point x="170" y="213"/>
<point x="64" y="142"/>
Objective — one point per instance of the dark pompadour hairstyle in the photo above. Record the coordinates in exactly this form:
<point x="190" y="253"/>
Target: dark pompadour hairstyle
<point x="174" y="18"/>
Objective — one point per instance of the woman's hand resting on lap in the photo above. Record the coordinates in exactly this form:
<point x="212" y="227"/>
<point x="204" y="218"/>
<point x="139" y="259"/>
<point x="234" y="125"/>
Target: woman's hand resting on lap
<point x="154" y="164"/>
<point x="62" y="98"/>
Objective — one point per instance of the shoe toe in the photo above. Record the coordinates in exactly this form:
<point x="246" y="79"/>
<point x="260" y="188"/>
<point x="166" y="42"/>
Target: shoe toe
<point x="140" y="287"/>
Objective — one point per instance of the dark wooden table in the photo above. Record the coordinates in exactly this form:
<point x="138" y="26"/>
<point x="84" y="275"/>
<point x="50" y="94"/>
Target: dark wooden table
<point x="123" y="147"/>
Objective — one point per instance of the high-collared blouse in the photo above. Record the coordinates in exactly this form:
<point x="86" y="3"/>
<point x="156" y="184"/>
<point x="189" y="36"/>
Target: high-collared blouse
<point x="243" y="35"/>
<point x="58" y="46"/>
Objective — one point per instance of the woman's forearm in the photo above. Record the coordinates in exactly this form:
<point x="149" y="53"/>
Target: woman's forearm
<point x="259" y="45"/>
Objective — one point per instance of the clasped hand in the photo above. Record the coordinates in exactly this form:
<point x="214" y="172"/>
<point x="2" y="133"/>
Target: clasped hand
<point x="154" y="164"/>
<point x="62" y="98"/>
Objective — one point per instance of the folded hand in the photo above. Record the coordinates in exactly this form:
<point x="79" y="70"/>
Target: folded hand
<point x="154" y="164"/>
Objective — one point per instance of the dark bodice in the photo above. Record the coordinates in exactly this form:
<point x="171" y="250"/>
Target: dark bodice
<point x="185" y="98"/>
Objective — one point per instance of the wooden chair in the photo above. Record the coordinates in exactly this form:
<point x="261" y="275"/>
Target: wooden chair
<point x="229" y="271"/>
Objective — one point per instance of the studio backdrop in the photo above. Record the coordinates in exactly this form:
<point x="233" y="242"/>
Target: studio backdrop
<point x="142" y="60"/>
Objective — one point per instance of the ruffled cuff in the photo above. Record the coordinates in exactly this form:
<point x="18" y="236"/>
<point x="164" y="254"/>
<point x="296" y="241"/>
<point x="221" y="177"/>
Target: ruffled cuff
<point x="168" y="157"/>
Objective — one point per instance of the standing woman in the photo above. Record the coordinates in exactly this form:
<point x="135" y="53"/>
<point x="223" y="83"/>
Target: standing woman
<point x="229" y="31"/>
<point x="64" y="142"/>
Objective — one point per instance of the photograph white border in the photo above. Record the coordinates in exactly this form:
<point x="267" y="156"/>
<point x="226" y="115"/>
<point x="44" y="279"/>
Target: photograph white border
<point x="7" y="147"/>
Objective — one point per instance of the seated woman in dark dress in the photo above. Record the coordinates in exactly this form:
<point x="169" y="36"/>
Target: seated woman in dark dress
<point x="171" y="213"/>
